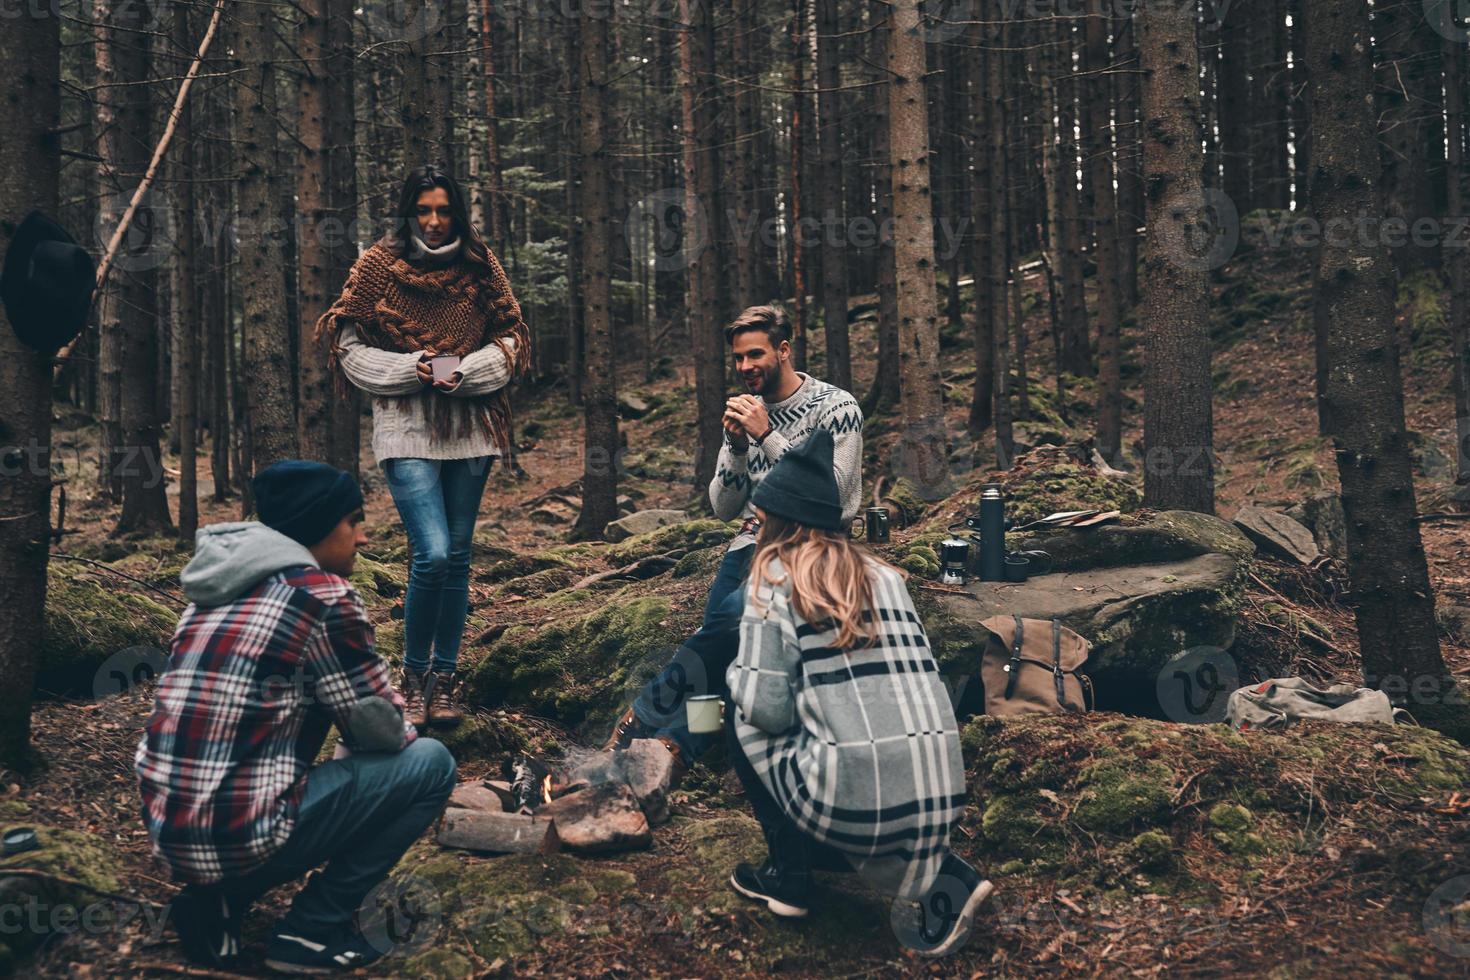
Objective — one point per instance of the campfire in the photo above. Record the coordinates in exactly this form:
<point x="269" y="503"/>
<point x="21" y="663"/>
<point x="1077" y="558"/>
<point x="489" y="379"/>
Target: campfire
<point x="600" y="803"/>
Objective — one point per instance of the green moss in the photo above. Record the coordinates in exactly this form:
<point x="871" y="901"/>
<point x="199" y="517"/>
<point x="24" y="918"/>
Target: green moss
<point x="374" y="579"/>
<point x="1421" y="301"/>
<point x="1122" y="795"/>
<point x="1152" y="851"/>
<point x="1036" y="492"/>
<point x="581" y="669"/>
<point x="68" y="854"/>
<point x="88" y="620"/>
<point x="1230" y="817"/>
<point x="1013" y="827"/>
<point x="703" y="562"/>
<point x="537" y="584"/>
<point x="702" y="533"/>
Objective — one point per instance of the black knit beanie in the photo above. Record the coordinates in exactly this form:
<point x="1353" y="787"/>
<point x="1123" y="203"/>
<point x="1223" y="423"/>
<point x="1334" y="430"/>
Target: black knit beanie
<point x="802" y="487"/>
<point x="304" y="500"/>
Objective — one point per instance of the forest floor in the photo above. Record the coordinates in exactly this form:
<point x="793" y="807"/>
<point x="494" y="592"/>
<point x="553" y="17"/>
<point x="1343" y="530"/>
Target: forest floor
<point x="1308" y="910"/>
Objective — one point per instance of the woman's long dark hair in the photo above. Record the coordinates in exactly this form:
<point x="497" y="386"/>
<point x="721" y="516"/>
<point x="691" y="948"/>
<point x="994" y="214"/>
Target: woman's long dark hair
<point x="426" y="178"/>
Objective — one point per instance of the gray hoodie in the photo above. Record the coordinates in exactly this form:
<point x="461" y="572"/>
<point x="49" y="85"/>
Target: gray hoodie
<point x="229" y="559"/>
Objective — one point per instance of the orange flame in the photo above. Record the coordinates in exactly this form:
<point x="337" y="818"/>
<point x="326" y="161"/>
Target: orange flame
<point x="546" y="790"/>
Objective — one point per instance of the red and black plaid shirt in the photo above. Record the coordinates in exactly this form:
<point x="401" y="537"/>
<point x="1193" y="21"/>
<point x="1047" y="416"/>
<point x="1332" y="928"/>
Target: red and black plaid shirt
<point x="242" y="711"/>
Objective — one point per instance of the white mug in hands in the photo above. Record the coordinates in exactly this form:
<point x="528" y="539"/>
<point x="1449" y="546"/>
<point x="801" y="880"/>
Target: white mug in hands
<point x="704" y="713"/>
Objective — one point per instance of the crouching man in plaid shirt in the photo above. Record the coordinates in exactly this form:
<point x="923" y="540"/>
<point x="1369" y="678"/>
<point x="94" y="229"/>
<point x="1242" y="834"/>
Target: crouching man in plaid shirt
<point x="274" y="650"/>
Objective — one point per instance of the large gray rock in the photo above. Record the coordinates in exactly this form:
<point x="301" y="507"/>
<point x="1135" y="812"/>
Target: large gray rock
<point x="602" y="818"/>
<point x="631" y="406"/>
<point x="1170" y="535"/>
<point x="641" y="522"/>
<point x="1322" y="514"/>
<point x="648" y="768"/>
<point x="1137" y="617"/>
<point x="1277" y="534"/>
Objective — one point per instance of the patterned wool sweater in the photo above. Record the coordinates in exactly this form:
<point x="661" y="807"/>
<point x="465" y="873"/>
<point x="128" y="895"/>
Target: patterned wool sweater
<point x="815" y="403"/>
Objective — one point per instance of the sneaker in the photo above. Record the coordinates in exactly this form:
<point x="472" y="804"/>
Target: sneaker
<point x="444" y="711"/>
<point x="947" y="914"/>
<point x="289" y="951"/>
<point x="784" y="894"/>
<point x="208" y="923"/>
<point x="625" y="731"/>
<point x="411" y="688"/>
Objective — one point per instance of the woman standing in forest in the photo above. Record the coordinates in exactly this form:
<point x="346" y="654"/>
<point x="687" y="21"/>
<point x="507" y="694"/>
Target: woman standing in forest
<point x="431" y="289"/>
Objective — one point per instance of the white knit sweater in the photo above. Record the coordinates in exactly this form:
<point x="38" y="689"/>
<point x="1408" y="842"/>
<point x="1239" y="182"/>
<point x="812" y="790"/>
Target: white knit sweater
<point x="401" y="426"/>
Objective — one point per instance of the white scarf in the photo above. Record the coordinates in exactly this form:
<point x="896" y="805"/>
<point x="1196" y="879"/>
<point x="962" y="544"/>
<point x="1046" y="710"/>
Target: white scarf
<point x="419" y="251"/>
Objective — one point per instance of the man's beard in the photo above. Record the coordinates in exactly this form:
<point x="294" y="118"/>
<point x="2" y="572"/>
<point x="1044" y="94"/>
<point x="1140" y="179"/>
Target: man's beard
<point x="768" y="384"/>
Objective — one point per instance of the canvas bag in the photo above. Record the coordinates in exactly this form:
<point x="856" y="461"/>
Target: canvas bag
<point x="1031" y="666"/>
<point x="1276" y="703"/>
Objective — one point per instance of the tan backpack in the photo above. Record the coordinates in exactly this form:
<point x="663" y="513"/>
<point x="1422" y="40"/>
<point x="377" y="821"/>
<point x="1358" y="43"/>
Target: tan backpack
<point x="1032" y="666"/>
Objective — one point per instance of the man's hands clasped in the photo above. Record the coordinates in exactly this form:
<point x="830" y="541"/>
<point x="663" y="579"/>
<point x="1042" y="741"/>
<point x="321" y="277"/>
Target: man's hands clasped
<point x="746" y="419"/>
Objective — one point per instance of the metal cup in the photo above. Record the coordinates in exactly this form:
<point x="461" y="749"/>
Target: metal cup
<point x="1018" y="567"/>
<point x="874" y="525"/>
<point x="704" y="713"/>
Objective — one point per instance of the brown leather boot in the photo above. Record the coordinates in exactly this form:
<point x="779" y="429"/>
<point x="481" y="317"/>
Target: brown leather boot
<point x="411" y="687"/>
<point x="444" y="710"/>
<point x="628" y="727"/>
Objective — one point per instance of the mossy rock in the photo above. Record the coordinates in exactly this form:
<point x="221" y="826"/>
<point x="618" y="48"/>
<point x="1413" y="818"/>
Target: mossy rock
<point x="581" y="669"/>
<point x="1079" y="794"/>
<point x="376" y="580"/>
<point x="1033" y="493"/>
<point x="157" y="561"/>
<point x="492" y="562"/>
<point x="1169" y="535"/>
<point x="486" y="908"/>
<point x="88" y="620"/>
<point x="682" y="538"/>
<point x="702" y="563"/>
<point x="69" y="854"/>
<point x="537" y="584"/>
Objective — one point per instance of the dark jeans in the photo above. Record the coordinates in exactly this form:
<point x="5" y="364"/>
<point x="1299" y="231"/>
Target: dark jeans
<point x="791" y="850"/>
<point x="438" y="500"/>
<point x="358" y="816"/>
<point x="699" y="666"/>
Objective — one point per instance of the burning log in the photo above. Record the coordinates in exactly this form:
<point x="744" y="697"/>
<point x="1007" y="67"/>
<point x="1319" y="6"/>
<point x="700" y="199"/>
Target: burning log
<point x="498" y="833"/>
<point x="530" y="783"/>
<point x="600" y="818"/>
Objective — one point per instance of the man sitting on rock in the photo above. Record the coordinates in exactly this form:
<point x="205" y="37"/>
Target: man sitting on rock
<point x="782" y="407"/>
<point x="274" y="650"/>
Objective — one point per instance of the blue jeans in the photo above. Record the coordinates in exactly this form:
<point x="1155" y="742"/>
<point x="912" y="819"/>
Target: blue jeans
<point x="699" y="666"/>
<point x="358" y="816"/>
<point x="438" y="500"/>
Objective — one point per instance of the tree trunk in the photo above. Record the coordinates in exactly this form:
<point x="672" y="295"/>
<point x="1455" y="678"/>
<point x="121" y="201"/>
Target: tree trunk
<point x="494" y="183"/>
<point x="834" y="237"/>
<point x="743" y="154"/>
<point x="1127" y="92"/>
<point x="799" y="111"/>
<point x="696" y="58"/>
<point x="1098" y="152"/>
<point x="1233" y="104"/>
<point x="30" y="47"/>
<point x="1410" y="128"/>
<point x="186" y="290"/>
<point x="983" y="395"/>
<point x="317" y="286"/>
<point x="1075" y="343"/>
<point x="1268" y="123"/>
<point x="1457" y="160"/>
<point x="127" y="148"/>
<point x="600" y="462"/>
<point x="341" y="137"/>
<point x="884" y="395"/>
<point x="266" y="357"/>
<point x="1353" y="295"/>
<point x="924" y="438"/>
<point x="1000" y="358"/>
<point x="1173" y="311"/>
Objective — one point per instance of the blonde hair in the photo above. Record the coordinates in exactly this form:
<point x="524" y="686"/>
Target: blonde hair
<point x="829" y="577"/>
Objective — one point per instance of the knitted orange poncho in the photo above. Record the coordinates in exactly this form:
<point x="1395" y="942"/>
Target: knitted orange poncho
<point x="451" y="310"/>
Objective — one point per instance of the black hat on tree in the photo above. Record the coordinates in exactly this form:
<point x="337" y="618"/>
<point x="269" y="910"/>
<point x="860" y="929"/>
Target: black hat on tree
<point x="802" y="486"/>
<point x="46" y="284"/>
